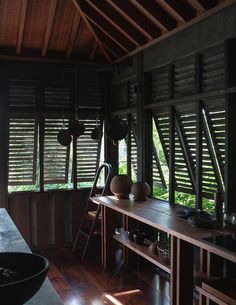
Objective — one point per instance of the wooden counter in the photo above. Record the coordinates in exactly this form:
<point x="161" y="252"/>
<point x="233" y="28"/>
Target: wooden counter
<point x="160" y="215"/>
<point x="12" y="241"/>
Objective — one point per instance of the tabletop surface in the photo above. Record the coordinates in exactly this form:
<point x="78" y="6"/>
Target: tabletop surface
<point x="12" y="241"/>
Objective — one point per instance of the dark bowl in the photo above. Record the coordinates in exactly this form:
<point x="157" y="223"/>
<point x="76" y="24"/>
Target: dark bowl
<point x="30" y="270"/>
<point x="139" y="238"/>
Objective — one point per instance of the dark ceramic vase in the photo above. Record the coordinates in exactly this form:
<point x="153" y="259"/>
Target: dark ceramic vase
<point x="76" y="128"/>
<point x="140" y="190"/>
<point x="64" y="137"/>
<point x="121" y="186"/>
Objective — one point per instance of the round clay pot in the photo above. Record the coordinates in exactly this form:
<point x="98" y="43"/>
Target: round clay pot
<point x="64" y="137"/>
<point x="140" y="190"/>
<point x="76" y="128"/>
<point x="96" y="133"/>
<point x="121" y="186"/>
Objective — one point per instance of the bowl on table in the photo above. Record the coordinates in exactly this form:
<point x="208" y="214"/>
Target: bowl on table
<point x="21" y="276"/>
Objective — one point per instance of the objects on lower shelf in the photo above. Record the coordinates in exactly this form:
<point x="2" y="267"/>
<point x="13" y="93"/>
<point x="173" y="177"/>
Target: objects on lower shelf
<point x="137" y="236"/>
<point x="162" y="249"/>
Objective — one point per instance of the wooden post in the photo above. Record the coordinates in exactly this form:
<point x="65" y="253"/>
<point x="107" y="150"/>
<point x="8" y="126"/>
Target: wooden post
<point x="172" y="156"/>
<point x="198" y="179"/>
<point x="140" y="118"/>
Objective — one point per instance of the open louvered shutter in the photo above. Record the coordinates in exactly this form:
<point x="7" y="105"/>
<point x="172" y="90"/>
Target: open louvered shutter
<point x="56" y="97"/>
<point x="88" y="153"/>
<point x="22" y="151"/>
<point x="21" y="94"/>
<point x="56" y="156"/>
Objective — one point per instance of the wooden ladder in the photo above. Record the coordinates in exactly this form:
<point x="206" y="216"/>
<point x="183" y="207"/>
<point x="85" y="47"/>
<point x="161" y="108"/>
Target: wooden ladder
<point x="92" y="212"/>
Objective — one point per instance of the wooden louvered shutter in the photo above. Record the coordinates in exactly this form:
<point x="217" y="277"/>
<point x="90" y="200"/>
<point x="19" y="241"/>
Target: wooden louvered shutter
<point x="21" y="94"/>
<point x="213" y="69"/>
<point x="56" y="156"/>
<point x="160" y="84"/>
<point x="22" y="151"/>
<point x="88" y="153"/>
<point x="57" y="97"/>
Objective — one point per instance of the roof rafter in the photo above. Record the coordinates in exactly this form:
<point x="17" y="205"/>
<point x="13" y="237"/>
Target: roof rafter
<point x="91" y="29"/>
<point x="107" y="33"/>
<point x="51" y="13"/>
<point x="169" y="8"/>
<point x="146" y="13"/>
<point x="183" y="8"/>
<point x="24" y="4"/>
<point x="208" y="4"/>
<point x="129" y="19"/>
<point x="105" y="16"/>
<point x="93" y="51"/>
<point x="197" y="6"/>
<point x="73" y="34"/>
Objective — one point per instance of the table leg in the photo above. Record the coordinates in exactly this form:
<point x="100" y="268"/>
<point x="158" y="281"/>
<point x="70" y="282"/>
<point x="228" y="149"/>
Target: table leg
<point x="181" y="272"/>
<point x="108" y="242"/>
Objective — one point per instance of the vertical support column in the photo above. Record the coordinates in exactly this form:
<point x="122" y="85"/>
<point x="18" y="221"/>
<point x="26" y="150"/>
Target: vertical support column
<point x="129" y="169"/>
<point x="199" y="126"/>
<point x="74" y="167"/>
<point x="172" y="156"/>
<point x="4" y="139"/>
<point x="108" y="243"/>
<point x="230" y="140"/>
<point x="41" y="152"/>
<point x="181" y="272"/>
<point x="140" y="117"/>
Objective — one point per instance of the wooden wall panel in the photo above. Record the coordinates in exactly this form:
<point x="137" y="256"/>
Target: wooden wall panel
<point x="19" y="210"/>
<point x="40" y="220"/>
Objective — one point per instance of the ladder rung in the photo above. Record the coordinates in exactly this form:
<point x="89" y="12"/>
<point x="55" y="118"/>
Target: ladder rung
<point x="92" y="214"/>
<point x="84" y="234"/>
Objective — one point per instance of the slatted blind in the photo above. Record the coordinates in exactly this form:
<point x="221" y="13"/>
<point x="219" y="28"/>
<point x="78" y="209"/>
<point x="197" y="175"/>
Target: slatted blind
<point x="133" y="153"/>
<point x="213" y="69"/>
<point x="22" y="151"/>
<point x="90" y="95"/>
<point x="21" y="95"/>
<point x="57" y="97"/>
<point x="56" y="156"/>
<point x="185" y="77"/>
<point x="160" y="85"/>
<point x="88" y="153"/>
<point x="132" y="93"/>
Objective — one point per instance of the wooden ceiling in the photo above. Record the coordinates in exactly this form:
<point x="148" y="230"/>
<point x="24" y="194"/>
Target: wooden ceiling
<point x="93" y="30"/>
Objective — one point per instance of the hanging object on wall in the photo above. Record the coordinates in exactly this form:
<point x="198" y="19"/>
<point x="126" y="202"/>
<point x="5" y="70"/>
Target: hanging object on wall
<point x="117" y="129"/>
<point x="63" y="137"/>
<point x="76" y="128"/>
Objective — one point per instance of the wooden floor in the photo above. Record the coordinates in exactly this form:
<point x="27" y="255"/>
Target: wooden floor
<point x="87" y="283"/>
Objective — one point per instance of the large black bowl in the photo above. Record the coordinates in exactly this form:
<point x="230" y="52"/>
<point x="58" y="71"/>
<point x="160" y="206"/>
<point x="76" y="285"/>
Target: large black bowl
<point x="32" y="270"/>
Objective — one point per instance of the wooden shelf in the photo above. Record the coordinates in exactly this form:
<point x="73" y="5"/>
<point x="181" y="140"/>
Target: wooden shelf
<point x="142" y="250"/>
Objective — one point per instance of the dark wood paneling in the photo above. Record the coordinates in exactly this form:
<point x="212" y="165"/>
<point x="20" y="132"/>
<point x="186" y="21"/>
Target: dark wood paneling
<point x="19" y="210"/>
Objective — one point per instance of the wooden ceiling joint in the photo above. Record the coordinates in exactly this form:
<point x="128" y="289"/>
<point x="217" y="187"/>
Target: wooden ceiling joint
<point x="208" y="4"/>
<point x="51" y="13"/>
<point x="197" y="6"/>
<point x="183" y="9"/>
<point x="93" y="51"/>
<point x="178" y="17"/>
<point x="21" y="27"/>
<point x="107" y="28"/>
<point x="75" y="2"/>
<point x="132" y="39"/>
<point x="129" y="19"/>
<point x="149" y="13"/>
<point x="73" y="34"/>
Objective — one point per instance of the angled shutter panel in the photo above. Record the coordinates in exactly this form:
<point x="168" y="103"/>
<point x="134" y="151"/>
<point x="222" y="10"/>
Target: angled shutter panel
<point x="22" y="151"/>
<point x="133" y="152"/>
<point x="160" y="85"/>
<point x="88" y="153"/>
<point x="56" y="156"/>
<point x="21" y="95"/>
<point x="57" y="97"/>
<point x="213" y="69"/>
<point x="185" y="77"/>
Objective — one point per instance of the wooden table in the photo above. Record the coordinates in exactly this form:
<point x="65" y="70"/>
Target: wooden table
<point x="12" y="241"/>
<point x="160" y="215"/>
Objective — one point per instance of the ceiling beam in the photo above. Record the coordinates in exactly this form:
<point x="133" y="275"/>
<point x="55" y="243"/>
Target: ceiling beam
<point x="73" y="34"/>
<point x="183" y="8"/>
<point x="91" y="29"/>
<point x="51" y="13"/>
<point x="169" y="9"/>
<point x="129" y="19"/>
<point x="107" y="28"/>
<point x="21" y="26"/>
<point x="115" y="25"/>
<point x="183" y="26"/>
<point x="93" y="51"/>
<point x="208" y="4"/>
<point x="149" y="15"/>
<point x="108" y="34"/>
<point x="197" y="6"/>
